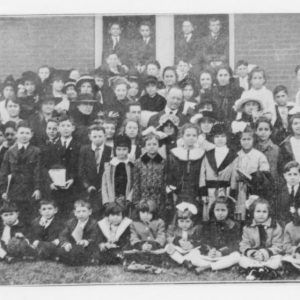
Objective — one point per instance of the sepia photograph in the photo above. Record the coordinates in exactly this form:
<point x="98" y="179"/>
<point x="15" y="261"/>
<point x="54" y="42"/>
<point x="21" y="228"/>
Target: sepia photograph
<point x="146" y="148"/>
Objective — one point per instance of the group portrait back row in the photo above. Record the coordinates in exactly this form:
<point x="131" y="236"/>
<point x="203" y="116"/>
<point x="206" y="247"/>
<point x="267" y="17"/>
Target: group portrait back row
<point x="131" y="137"/>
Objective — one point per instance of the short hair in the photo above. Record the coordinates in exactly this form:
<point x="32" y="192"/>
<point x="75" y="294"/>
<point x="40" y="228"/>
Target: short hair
<point x="82" y="203"/>
<point x="263" y="119"/>
<point x="153" y="62"/>
<point x="8" y="207"/>
<point x="280" y="88"/>
<point x="257" y="70"/>
<point x="149" y="137"/>
<point x="241" y="62"/>
<point x="169" y="68"/>
<point x="145" y="23"/>
<point x="64" y="118"/>
<point x="24" y="124"/>
<point x="53" y="120"/>
<point x="110" y="121"/>
<point x="147" y="206"/>
<point x="187" y="126"/>
<point x="247" y="129"/>
<point x="291" y="164"/>
<point x="120" y="81"/>
<point x="214" y="19"/>
<point x="95" y="127"/>
<point x="114" y="23"/>
<point x="47" y="202"/>
<point x="2" y="128"/>
<point x="10" y="124"/>
<point x="297" y="69"/>
<point x="114" y="209"/>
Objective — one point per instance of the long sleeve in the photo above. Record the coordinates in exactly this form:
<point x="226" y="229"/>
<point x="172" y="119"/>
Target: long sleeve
<point x="161" y="233"/>
<point x="135" y="240"/>
<point x="277" y="241"/>
<point x="246" y="246"/>
<point x="289" y="246"/>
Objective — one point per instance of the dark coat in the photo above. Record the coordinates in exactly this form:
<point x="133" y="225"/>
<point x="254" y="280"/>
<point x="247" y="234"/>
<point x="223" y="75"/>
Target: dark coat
<point x="26" y="173"/>
<point x="285" y="154"/>
<point x="143" y="52"/>
<point x="14" y="229"/>
<point x="88" y="174"/>
<point x="279" y="133"/>
<point x="156" y="103"/>
<point x="188" y="51"/>
<point x="2" y="153"/>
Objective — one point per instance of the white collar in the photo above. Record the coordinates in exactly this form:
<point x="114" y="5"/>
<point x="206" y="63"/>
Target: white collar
<point x="296" y="187"/>
<point x="82" y="224"/>
<point x="20" y="146"/>
<point x="182" y="154"/>
<point x="100" y="147"/>
<point x="223" y="149"/>
<point x="67" y="140"/>
<point x="16" y="223"/>
<point x="115" y="161"/>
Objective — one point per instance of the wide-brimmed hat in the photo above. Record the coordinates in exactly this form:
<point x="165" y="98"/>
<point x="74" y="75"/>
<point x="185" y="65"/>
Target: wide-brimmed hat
<point x="85" y="78"/>
<point x="247" y="97"/>
<point x="85" y="99"/>
<point x="70" y="82"/>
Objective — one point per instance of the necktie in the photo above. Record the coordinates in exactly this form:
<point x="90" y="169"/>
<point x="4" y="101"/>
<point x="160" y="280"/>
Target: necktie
<point x="65" y="144"/>
<point x="187" y="37"/>
<point x="22" y="150"/>
<point x="6" y="234"/>
<point x="292" y="195"/>
<point x="77" y="234"/>
<point x="98" y="156"/>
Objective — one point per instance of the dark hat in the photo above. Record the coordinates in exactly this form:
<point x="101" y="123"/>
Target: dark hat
<point x="85" y="98"/>
<point x="8" y="207"/>
<point x="45" y="98"/>
<point x="31" y="76"/>
<point x="85" y="78"/>
<point x="218" y="129"/>
<point x="122" y="141"/>
<point x="203" y="115"/>
<point x="70" y="82"/>
<point x="151" y="80"/>
<point x="9" y="81"/>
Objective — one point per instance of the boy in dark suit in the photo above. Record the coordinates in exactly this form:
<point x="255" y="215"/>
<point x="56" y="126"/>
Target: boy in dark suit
<point x="91" y="166"/>
<point x="78" y="240"/>
<point x="20" y="174"/>
<point x="64" y="154"/>
<point x="45" y="231"/>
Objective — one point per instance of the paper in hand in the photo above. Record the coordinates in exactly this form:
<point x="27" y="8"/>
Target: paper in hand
<point x="58" y="176"/>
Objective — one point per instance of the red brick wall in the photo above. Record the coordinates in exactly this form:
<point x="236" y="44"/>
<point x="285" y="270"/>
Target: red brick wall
<point x="61" y="41"/>
<point x="271" y="41"/>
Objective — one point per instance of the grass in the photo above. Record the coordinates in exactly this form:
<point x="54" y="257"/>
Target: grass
<point x="35" y="273"/>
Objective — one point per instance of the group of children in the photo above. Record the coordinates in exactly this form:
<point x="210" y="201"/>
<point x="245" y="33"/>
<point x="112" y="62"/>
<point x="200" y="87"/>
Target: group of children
<point x="196" y="169"/>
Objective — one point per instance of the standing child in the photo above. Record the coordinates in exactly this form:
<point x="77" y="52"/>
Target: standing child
<point x="114" y="234"/>
<point x="288" y="195"/>
<point x="216" y="169"/>
<point x="45" y="230"/>
<point x="242" y="74"/>
<point x="189" y="93"/>
<point x="78" y="240"/>
<point x="20" y="174"/>
<point x="91" y="166"/>
<point x="251" y="173"/>
<point x="262" y="239"/>
<point x="118" y="173"/>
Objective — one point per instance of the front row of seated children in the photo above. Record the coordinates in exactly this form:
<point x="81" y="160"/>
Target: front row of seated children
<point x="215" y="244"/>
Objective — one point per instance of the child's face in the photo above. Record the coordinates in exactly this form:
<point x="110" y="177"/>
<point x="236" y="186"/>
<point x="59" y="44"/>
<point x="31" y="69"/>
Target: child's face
<point x="115" y="30"/>
<point x="2" y="138"/>
<point x="29" y="86"/>
<point x="183" y="67"/>
<point x="169" y="78"/>
<point x="220" y="211"/>
<point x="99" y="81"/>
<point x="257" y="80"/>
<point x="133" y="89"/>
<point x="145" y="216"/>
<point x="8" y="92"/>
<point x="220" y="140"/>
<point x="58" y="85"/>
<point x="48" y="107"/>
<point x="10" y="135"/>
<point x="71" y="92"/>
<point x="263" y="131"/>
<point x="13" y="109"/>
<point x="187" y="27"/>
<point x="247" y="141"/>
<point x="86" y="108"/>
<point x="152" y="70"/>
<point x="190" y="137"/>
<point x="169" y="129"/>
<point x="24" y="135"/>
<point x="205" y="81"/>
<point x="82" y="213"/>
<point x="292" y="176"/>
<point x="122" y="153"/>
<point x="151" y="89"/>
<point x="281" y="98"/>
<point x="242" y="71"/>
<point x="115" y="219"/>
<point x="97" y="137"/>
<point x="44" y="73"/>
<point x="206" y="126"/>
<point x="223" y="77"/>
<point x="110" y="130"/>
<point x="131" y="129"/>
<point x="185" y="224"/>
<point x="296" y="127"/>
<point x="113" y="60"/>
<point x="66" y="128"/>
<point x="135" y="112"/>
<point x="9" y="218"/>
<point x="250" y="107"/>
<point x="48" y="211"/>
<point x="152" y="146"/>
<point x="86" y="88"/>
<point x="261" y="213"/>
<point x="121" y="91"/>
<point x="145" y="31"/>
<point x="215" y="26"/>
<point x="188" y="92"/>
<point x="52" y="130"/>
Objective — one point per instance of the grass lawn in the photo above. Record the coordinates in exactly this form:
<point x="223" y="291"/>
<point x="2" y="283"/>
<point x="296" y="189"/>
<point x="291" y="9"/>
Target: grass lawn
<point x="53" y="273"/>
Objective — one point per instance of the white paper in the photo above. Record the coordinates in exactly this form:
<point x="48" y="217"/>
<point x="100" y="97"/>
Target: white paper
<point x="58" y="176"/>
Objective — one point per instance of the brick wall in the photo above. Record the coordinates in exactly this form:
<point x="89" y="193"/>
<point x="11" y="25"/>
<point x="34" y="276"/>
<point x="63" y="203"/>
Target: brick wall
<point x="271" y="41"/>
<point x="61" y="41"/>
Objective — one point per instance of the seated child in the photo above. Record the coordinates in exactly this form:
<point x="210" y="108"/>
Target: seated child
<point x="45" y="231"/>
<point x="262" y="239"/>
<point x="114" y="234"/>
<point x="78" y="240"/>
<point x="14" y="244"/>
